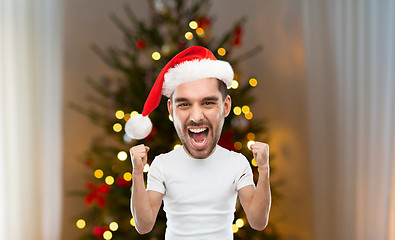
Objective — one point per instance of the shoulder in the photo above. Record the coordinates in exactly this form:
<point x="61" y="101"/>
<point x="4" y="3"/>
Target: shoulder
<point x="169" y="156"/>
<point x="232" y="156"/>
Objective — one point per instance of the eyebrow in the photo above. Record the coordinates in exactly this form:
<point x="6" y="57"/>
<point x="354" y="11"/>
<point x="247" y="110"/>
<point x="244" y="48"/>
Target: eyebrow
<point x="209" y="98"/>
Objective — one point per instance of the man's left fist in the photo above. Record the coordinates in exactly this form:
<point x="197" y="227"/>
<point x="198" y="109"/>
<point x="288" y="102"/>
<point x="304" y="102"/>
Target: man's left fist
<point x="260" y="152"/>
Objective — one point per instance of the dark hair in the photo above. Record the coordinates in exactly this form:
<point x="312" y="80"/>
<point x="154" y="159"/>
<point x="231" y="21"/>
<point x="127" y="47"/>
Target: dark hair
<point x="221" y="87"/>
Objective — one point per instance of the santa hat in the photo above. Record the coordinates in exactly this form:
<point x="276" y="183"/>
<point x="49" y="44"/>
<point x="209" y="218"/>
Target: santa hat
<point x="193" y="63"/>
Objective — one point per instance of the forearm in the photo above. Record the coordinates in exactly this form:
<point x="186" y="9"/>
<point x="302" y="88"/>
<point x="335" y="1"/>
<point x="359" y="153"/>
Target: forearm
<point x="258" y="212"/>
<point x="140" y="205"/>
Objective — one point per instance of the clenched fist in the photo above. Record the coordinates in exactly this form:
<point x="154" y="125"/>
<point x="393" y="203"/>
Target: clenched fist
<point x="138" y="155"/>
<point x="261" y="154"/>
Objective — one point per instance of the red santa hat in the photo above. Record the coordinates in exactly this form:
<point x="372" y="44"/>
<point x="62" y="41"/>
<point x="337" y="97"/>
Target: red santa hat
<point x="192" y="64"/>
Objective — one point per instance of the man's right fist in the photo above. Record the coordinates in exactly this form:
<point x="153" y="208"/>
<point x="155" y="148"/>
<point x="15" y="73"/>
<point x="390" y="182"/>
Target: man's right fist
<point x="138" y="154"/>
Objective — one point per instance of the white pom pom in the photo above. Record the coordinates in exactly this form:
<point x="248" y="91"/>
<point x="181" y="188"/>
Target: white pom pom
<point x="138" y="127"/>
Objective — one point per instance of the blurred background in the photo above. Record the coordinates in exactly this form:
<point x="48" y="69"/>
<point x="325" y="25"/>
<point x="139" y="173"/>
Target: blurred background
<point x="324" y="96"/>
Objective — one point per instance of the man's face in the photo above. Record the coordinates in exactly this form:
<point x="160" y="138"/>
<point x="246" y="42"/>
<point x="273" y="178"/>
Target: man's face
<point x="198" y="111"/>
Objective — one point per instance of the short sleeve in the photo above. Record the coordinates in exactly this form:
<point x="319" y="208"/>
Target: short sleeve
<point x="244" y="173"/>
<point x="155" y="179"/>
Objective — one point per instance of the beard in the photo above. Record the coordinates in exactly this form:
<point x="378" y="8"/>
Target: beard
<point x="213" y="135"/>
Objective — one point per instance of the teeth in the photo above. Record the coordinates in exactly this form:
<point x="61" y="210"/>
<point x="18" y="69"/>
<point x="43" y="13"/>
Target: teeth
<point x="197" y="130"/>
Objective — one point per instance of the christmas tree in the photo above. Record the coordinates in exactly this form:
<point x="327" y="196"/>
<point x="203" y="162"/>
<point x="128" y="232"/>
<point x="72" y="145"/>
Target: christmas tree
<point x="173" y="26"/>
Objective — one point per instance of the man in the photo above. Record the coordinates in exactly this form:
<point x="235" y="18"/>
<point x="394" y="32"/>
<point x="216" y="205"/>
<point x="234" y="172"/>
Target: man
<point x="198" y="182"/>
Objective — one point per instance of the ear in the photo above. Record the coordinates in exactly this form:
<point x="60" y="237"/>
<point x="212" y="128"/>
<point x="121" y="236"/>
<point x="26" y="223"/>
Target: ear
<point x="170" y="107"/>
<point x="227" y="105"/>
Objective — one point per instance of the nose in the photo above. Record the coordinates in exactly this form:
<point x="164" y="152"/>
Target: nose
<point x="196" y="114"/>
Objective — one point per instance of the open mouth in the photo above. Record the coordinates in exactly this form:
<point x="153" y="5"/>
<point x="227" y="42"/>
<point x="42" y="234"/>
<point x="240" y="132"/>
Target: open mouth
<point x="198" y="136"/>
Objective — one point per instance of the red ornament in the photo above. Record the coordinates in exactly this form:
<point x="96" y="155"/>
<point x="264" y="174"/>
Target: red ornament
<point x="203" y="22"/>
<point x="152" y="134"/>
<point x="237" y="36"/>
<point x="89" y="162"/>
<point x="122" y="182"/>
<point x="97" y="194"/>
<point x="140" y="44"/>
<point x="99" y="230"/>
<point x="226" y="140"/>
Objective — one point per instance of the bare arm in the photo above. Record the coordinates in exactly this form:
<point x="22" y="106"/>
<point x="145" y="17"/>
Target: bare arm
<point x="256" y="202"/>
<point x="144" y="204"/>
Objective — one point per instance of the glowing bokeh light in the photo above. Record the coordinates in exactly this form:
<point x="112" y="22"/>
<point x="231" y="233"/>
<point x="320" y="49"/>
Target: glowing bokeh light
<point x="239" y="223"/>
<point x="107" y="235"/>
<point x="127" y="176"/>
<point x="221" y="51"/>
<point x="253" y="162"/>
<point x="235" y="229"/>
<point x="132" y="222"/>
<point x="117" y="127"/>
<point x="237" y="110"/>
<point x="237" y="145"/>
<point x="122" y="156"/>
<point x="249" y="144"/>
<point x="109" y="180"/>
<point x="156" y="56"/>
<point x="253" y="82"/>
<point x="81" y="223"/>
<point x="146" y="168"/>
<point x="114" y="226"/>
<point x="189" y="35"/>
<point x="245" y="109"/>
<point x="98" y="173"/>
<point x="119" y="114"/>
<point x="251" y="136"/>
<point x="235" y="84"/>
<point x="193" y="24"/>
<point x="200" y="31"/>
<point x="249" y="115"/>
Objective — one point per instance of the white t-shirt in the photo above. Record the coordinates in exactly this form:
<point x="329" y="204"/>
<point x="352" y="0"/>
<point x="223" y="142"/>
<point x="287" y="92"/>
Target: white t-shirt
<point x="199" y="194"/>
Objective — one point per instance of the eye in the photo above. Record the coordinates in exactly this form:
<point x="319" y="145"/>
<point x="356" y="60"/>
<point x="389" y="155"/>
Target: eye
<point x="208" y="103"/>
<point x="182" y="105"/>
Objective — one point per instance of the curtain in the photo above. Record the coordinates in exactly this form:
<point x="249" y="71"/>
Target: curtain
<point x="30" y="119"/>
<point x="350" y="61"/>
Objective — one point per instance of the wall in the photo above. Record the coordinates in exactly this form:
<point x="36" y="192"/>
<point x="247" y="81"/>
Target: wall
<point x="281" y="97"/>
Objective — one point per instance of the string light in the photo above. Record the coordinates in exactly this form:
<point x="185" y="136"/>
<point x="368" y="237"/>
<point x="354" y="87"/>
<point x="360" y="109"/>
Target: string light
<point x="156" y="56"/>
<point x="81" y="223"/>
<point x="251" y="136"/>
<point x="114" y="226"/>
<point x="119" y="114"/>
<point x="107" y="235"/>
<point x="249" y="115"/>
<point x="253" y="82"/>
<point x="200" y="31"/>
<point x="146" y="168"/>
<point x="132" y="222"/>
<point x="189" y="35"/>
<point x="239" y="223"/>
<point x="237" y="111"/>
<point x="109" y="180"/>
<point x="127" y="176"/>
<point x="134" y="113"/>
<point x="221" y="51"/>
<point x="237" y="145"/>
<point x="127" y="116"/>
<point x="193" y="24"/>
<point x="171" y="118"/>
<point x="98" y="173"/>
<point x="122" y="156"/>
<point x="235" y="84"/>
<point x="245" y="109"/>
<point x="117" y="127"/>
